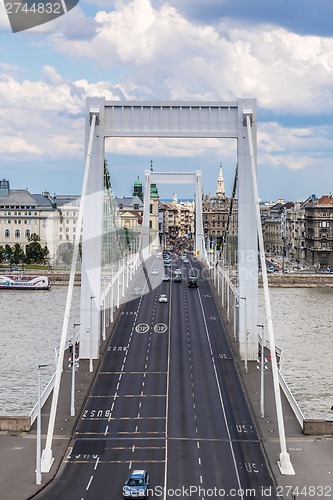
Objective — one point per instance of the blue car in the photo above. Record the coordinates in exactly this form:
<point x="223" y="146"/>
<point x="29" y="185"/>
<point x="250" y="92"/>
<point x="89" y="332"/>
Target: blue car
<point x="136" y="485"/>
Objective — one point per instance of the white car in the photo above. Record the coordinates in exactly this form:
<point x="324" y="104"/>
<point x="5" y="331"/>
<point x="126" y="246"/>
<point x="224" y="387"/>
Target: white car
<point x="178" y="271"/>
<point x="166" y="277"/>
<point x="163" y="298"/>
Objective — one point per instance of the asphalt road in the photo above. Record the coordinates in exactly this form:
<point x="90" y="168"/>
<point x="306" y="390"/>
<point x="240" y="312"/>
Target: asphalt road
<point x="168" y="399"/>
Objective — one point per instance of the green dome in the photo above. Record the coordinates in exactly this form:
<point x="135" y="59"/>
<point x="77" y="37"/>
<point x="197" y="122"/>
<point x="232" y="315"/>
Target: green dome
<point x="138" y="183"/>
<point x="153" y="191"/>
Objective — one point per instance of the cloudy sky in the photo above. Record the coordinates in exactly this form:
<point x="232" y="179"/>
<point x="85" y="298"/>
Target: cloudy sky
<point x="279" y="52"/>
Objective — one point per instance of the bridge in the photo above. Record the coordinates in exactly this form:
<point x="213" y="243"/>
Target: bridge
<point x="160" y="397"/>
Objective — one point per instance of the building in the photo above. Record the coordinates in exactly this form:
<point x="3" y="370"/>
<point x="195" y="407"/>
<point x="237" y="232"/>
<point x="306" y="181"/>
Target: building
<point x="319" y="232"/>
<point x="215" y="214"/>
<point x="52" y="218"/>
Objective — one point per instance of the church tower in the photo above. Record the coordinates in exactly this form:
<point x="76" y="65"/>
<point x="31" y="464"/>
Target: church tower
<point x="220" y="191"/>
<point x="154" y="217"/>
<point x="137" y="189"/>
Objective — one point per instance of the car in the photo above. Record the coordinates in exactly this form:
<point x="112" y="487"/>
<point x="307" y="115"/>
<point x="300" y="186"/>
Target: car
<point x="136" y="291"/>
<point x="178" y="278"/>
<point x="192" y="282"/>
<point x="178" y="271"/>
<point x="163" y="298"/>
<point x="186" y="261"/>
<point x="154" y="271"/>
<point x="136" y="485"/>
<point x="165" y="277"/>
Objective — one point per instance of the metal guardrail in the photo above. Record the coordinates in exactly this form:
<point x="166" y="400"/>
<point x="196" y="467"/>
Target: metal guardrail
<point x="45" y="394"/>
<point x="291" y="400"/>
<point x="50" y="386"/>
<point x="279" y="352"/>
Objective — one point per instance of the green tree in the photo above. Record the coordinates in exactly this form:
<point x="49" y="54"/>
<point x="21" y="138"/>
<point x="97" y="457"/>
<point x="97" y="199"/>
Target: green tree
<point x="8" y="252"/>
<point x="18" y="253"/>
<point x="34" y="251"/>
<point x="2" y="253"/>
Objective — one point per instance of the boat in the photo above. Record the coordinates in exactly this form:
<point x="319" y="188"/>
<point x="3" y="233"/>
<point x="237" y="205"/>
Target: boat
<point x="20" y="283"/>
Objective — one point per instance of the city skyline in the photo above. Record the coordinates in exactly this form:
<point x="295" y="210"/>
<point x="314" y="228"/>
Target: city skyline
<point x="180" y="50"/>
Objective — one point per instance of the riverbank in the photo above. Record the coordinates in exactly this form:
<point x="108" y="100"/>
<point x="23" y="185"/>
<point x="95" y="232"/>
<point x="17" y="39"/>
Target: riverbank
<point x="301" y="280"/>
<point x="279" y="279"/>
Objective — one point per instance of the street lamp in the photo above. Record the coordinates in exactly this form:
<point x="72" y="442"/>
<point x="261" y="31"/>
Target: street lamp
<point x="246" y="334"/>
<point x="262" y="369"/>
<point x="73" y="373"/>
<point x="91" y="368"/>
<point x="39" y="431"/>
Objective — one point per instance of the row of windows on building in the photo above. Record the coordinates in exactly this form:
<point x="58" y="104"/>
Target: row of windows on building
<point x="17" y="233"/>
<point x="33" y="221"/>
<point x="28" y="211"/>
<point x="28" y="234"/>
<point x="19" y="213"/>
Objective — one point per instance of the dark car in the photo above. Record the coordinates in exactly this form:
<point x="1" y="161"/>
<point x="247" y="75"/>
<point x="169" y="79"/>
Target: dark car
<point x="192" y="282"/>
<point x="136" y="485"/>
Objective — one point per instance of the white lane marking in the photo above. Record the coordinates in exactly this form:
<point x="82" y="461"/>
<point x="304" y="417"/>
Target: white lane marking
<point x="167" y="404"/>
<point x="130" y="465"/>
<point x="221" y="398"/>
<point x="88" y="485"/>
<point x="106" y="430"/>
<point x="198" y="444"/>
<point x="96" y="463"/>
<point x="199" y="460"/>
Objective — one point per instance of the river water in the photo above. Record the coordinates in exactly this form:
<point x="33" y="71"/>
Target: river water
<point x="31" y="325"/>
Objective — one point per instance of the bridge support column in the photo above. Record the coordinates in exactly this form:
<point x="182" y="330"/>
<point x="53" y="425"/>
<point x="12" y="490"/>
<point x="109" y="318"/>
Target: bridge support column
<point x="90" y="314"/>
<point x="247" y="240"/>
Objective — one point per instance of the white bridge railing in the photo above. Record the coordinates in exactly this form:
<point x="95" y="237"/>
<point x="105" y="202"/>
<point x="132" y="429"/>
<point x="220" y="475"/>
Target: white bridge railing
<point x="227" y="290"/>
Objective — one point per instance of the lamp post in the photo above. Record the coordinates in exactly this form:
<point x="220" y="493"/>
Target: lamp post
<point x="262" y="369"/>
<point x="39" y="431"/>
<point x="246" y="334"/>
<point x="73" y="373"/>
<point x="91" y="368"/>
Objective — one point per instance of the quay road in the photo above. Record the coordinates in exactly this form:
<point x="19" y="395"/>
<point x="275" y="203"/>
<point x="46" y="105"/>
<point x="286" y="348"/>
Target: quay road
<point x="167" y="398"/>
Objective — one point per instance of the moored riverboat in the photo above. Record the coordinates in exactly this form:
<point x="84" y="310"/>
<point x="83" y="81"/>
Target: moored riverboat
<point x="21" y="283"/>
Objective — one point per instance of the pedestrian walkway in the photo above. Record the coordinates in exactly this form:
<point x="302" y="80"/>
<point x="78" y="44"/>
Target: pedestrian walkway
<point x="310" y="456"/>
<point x="18" y="449"/>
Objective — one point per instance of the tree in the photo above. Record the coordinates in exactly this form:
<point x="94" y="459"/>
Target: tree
<point x="8" y="252"/>
<point x="2" y="253"/>
<point x="34" y="250"/>
<point x="18" y="253"/>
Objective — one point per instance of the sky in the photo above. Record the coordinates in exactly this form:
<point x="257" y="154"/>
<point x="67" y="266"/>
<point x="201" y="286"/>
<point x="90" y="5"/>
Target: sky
<point x="276" y="51"/>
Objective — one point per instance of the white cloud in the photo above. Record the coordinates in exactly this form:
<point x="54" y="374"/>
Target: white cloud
<point x="157" y="53"/>
<point x="294" y="148"/>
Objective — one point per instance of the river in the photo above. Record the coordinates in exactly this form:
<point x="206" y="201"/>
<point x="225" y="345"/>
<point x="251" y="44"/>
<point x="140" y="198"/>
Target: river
<point x="31" y="325"/>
